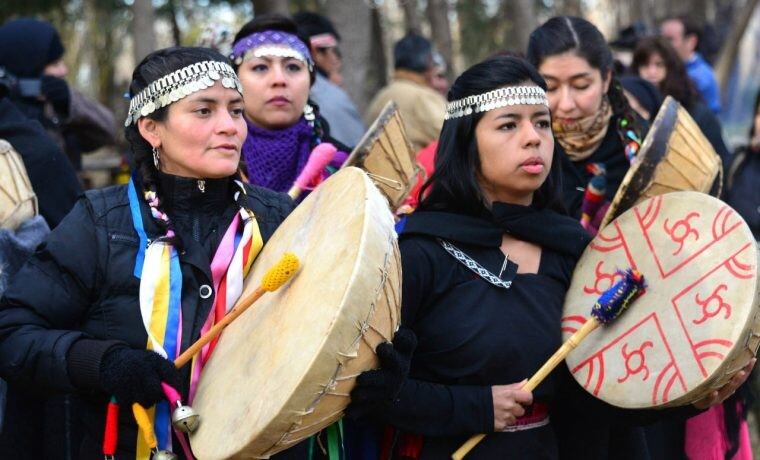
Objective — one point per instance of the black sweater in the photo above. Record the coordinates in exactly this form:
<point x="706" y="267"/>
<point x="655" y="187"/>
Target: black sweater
<point x="473" y="334"/>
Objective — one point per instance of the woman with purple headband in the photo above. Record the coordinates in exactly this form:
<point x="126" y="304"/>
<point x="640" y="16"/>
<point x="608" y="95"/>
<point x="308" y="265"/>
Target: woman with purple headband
<point x="276" y="70"/>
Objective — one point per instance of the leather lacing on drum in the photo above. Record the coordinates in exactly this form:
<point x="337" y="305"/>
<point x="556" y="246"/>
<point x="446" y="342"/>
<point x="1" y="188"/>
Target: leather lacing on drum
<point x="362" y="327"/>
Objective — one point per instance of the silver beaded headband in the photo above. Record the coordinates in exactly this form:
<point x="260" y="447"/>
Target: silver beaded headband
<point x="502" y="97"/>
<point x="180" y="84"/>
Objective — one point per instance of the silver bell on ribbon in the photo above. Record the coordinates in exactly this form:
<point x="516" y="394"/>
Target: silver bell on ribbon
<point x="163" y="455"/>
<point x="184" y="418"/>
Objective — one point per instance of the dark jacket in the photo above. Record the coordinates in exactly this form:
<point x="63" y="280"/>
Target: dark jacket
<point x="575" y="177"/>
<point x="52" y="177"/>
<point x="710" y="126"/>
<point x="743" y="187"/>
<point x="77" y="296"/>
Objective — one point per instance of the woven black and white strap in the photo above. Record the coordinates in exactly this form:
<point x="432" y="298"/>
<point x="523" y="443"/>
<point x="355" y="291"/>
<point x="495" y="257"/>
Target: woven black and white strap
<point x="475" y="267"/>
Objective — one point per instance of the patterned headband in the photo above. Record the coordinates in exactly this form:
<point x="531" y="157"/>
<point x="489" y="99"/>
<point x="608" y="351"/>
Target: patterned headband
<point x="180" y="84"/>
<point x="502" y="97"/>
<point x="271" y="43"/>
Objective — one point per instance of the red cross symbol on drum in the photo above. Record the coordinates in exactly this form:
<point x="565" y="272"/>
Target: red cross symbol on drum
<point x="696" y="324"/>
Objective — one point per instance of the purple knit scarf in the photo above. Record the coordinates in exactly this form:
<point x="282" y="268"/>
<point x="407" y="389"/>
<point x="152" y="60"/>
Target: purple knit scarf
<point x="274" y="157"/>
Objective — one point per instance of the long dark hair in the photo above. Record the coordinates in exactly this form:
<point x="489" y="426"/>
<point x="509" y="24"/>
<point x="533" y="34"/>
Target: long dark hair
<point x="677" y="82"/>
<point x="154" y="66"/>
<point x="561" y="34"/>
<point x="453" y="185"/>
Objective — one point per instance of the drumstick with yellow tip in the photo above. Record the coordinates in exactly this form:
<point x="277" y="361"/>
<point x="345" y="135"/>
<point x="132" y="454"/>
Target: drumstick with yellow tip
<point x="319" y="158"/>
<point x="607" y="308"/>
<point x="273" y="279"/>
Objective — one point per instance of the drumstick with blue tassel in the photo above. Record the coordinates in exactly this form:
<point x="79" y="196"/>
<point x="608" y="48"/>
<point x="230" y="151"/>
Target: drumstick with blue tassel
<point x="607" y="308"/>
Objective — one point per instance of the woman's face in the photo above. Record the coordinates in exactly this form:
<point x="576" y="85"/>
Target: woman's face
<point x="202" y="134"/>
<point x="654" y="71"/>
<point x="574" y="88"/>
<point x="276" y="90"/>
<point x="515" y="144"/>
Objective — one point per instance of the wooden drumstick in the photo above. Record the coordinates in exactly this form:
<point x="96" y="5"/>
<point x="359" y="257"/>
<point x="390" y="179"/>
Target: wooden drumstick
<point x="273" y="279"/>
<point x="320" y="157"/>
<point x="609" y="306"/>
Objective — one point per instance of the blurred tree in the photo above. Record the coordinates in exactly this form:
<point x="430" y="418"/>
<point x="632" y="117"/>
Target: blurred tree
<point x="143" y="33"/>
<point x="271" y="6"/>
<point x="354" y="20"/>
<point x="521" y="18"/>
<point x="440" y="30"/>
<point x="411" y="15"/>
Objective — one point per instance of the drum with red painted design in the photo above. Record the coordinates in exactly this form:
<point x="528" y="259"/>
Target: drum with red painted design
<point x="697" y="323"/>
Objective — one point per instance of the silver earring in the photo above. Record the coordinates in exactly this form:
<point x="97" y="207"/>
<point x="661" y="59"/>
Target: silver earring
<point x="156" y="156"/>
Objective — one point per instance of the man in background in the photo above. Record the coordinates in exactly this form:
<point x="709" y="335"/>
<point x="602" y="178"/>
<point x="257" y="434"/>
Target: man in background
<point x="684" y="35"/>
<point x="335" y="105"/>
<point x="422" y="107"/>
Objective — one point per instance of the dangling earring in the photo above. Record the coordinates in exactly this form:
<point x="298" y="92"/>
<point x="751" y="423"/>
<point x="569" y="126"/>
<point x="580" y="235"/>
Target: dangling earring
<point x="156" y="156"/>
<point x="308" y="113"/>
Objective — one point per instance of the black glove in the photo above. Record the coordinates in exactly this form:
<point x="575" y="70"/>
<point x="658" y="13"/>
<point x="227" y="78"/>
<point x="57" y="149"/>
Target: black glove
<point x="381" y="386"/>
<point x="56" y="91"/>
<point x="136" y="375"/>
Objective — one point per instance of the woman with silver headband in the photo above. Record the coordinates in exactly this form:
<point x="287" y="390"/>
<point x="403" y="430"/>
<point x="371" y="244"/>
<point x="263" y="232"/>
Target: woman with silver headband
<point x="128" y="279"/>
<point x="487" y="258"/>
<point x="276" y="70"/>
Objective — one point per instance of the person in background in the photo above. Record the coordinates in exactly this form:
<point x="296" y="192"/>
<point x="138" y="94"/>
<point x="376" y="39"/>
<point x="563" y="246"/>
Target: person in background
<point x="743" y="176"/>
<point x="52" y="177"/>
<point x="643" y="96"/>
<point x="437" y="78"/>
<point x="421" y="106"/>
<point x="32" y="52"/>
<point x="334" y="103"/>
<point x="655" y="60"/>
<point x="596" y="129"/>
<point x="276" y="69"/>
<point x="684" y="35"/>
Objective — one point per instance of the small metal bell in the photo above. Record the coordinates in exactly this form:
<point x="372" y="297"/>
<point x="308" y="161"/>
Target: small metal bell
<point x="163" y="455"/>
<point x="184" y="418"/>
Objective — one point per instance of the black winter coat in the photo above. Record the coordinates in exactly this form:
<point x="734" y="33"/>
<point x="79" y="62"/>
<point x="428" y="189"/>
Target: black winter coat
<point x="53" y="179"/>
<point x="77" y="296"/>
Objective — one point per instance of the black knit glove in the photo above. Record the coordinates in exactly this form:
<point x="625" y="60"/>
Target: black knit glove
<point x="56" y="91"/>
<point x="136" y="375"/>
<point x="381" y="386"/>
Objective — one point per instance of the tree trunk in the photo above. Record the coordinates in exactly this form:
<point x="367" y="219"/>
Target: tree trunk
<point x="521" y="14"/>
<point x="176" y="32"/>
<point x="354" y="19"/>
<point x="730" y="48"/>
<point x="438" y="15"/>
<point x="377" y="76"/>
<point x="143" y="34"/>
<point x="271" y="7"/>
<point x="411" y="15"/>
<point x="571" y="8"/>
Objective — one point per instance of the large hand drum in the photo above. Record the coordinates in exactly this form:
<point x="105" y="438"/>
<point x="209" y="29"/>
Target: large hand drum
<point x="284" y="369"/>
<point x="675" y="156"/>
<point x="385" y="153"/>
<point x="697" y="323"/>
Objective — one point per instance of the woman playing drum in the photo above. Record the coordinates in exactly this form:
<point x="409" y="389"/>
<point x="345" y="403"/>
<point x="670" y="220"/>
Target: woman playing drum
<point x="129" y="278"/>
<point x="276" y="69"/>
<point x="487" y="259"/>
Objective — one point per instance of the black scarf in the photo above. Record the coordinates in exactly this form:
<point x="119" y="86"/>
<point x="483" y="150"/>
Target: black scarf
<point x="543" y="227"/>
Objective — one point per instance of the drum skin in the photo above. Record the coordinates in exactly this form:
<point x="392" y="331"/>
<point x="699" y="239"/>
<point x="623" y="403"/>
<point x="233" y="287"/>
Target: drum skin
<point x="697" y="323"/>
<point x="387" y="156"/>
<point x="17" y="199"/>
<point x="675" y="156"/>
<point x="284" y="369"/>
